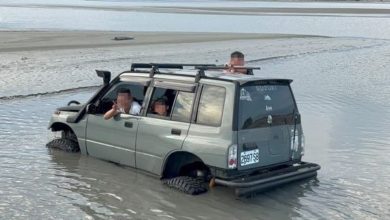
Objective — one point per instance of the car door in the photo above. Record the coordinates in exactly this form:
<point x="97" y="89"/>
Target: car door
<point x="158" y="135"/>
<point x="114" y="139"/>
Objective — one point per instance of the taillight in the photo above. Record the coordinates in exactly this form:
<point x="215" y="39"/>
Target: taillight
<point x="297" y="143"/>
<point x="303" y="142"/>
<point x="232" y="157"/>
<point x="294" y="140"/>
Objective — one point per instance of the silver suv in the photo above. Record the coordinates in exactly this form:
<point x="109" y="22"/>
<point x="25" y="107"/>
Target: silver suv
<point x="234" y="130"/>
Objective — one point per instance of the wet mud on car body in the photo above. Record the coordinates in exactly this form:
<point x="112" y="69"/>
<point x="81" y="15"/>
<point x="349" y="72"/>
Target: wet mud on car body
<point x="234" y="130"/>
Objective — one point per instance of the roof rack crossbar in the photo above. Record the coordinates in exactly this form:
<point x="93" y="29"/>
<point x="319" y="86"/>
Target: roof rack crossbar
<point x="201" y="68"/>
<point x="248" y="68"/>
<point x="165" y="65"/>
<point x="227" y="67"/>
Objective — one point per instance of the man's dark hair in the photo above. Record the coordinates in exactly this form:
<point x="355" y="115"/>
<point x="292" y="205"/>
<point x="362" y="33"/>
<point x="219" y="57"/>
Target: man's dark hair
<point x="237" y="54"/>
<point x="124" y="90"/>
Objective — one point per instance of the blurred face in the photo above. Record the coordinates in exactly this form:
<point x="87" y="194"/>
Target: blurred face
<point x="235" y="61"/>
<point x="123" y="100"/>
<point x="160" y="109"/>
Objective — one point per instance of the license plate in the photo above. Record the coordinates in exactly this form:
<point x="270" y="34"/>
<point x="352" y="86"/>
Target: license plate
<point x="249" y="157"/>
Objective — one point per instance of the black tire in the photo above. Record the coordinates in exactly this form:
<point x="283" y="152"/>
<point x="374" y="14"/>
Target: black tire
<point x="186" y="184"/>
<point x="64" y="144"/>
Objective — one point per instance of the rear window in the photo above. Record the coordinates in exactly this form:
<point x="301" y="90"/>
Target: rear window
<point x="257" y="102"/>
<point x="211" y="105"/>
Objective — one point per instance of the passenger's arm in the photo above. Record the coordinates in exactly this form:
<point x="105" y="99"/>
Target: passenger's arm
<point x="111" y="113"/>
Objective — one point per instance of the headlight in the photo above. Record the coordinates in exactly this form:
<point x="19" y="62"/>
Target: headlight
<point x="232" y="157"/>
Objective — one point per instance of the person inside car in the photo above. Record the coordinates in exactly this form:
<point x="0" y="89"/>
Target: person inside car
<point x="236" y="59"/>
<point x="124" y="104"/>
<point x="160" y="107"/>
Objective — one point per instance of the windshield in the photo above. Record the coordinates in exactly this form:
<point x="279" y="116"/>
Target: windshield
<point x="259" y="104"/>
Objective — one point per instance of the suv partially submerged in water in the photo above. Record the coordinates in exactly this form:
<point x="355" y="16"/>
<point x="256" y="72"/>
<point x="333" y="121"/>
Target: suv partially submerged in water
<point x="234" y="130"/>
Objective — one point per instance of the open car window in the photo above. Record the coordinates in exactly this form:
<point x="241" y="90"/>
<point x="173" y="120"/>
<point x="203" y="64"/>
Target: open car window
<point x="164" y="97"/>
<point x="137" y="91"/>
<point x="171" y="104"/>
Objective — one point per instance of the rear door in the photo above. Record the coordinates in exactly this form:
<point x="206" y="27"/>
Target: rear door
<point x="160" y="134"/>
<point x="265" y="119"/>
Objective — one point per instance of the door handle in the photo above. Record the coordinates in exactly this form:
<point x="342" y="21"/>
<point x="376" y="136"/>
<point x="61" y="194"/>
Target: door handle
<point x="127" y="116"/>
<point x="128" y="124"/>
<point x="175" y="131"/>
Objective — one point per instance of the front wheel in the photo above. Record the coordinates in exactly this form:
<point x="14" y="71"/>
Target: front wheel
<point x="64" y="144"/>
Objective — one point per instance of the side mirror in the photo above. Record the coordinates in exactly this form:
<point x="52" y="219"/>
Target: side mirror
<point x="73" y="102"/>
<point x="106" y="75"/>
<point x="91" y="109"/>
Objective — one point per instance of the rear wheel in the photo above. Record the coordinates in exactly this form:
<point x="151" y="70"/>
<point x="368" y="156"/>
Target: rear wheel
<point x="187" y="184"/>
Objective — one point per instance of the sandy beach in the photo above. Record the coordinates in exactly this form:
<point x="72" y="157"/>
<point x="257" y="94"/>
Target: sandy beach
<point x="52" y="61"/>
<point x="221" y="10"/>
<point x="56" y="40"/>
<point x="40" y="71"/>
<point x="338" y="59"/>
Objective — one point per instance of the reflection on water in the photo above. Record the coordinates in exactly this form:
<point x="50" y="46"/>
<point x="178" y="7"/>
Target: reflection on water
<point x="342" y="96"/>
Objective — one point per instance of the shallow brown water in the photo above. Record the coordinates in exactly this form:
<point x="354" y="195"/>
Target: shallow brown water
<point x="343" y="97"/>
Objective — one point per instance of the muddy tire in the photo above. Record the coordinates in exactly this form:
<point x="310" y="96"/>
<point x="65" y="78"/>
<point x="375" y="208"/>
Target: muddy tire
<point x="186" y="184"/>
<point x="64" y="144"/>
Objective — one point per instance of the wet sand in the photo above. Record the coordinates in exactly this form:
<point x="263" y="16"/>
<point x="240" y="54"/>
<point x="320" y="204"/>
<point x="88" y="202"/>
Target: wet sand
<point x="334" y="80"/>
<point x="259" y="10"/>
<point x="35" y="63"/>
<point x="51" y="61"/>
<point x="270" y="10"/>
<point x="56" y="40"/>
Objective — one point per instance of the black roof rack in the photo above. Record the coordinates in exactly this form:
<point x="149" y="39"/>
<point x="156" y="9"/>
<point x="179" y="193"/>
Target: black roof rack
<point x="165" y="65"/>
<point x="224" y="67"/>
<point x="154" y="68"/>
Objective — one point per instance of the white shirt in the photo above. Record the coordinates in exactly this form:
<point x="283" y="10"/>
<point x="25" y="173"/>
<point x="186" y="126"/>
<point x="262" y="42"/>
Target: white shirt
<point x="135" y="109"/>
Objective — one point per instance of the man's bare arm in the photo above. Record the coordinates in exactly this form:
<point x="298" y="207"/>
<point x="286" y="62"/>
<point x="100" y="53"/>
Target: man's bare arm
<point x="112" y="112"/>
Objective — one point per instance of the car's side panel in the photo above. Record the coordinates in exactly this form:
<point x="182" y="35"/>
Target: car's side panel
<point x="211" y="143"/>
<point x="155" y="139"/>
<point x="112" y="140"/>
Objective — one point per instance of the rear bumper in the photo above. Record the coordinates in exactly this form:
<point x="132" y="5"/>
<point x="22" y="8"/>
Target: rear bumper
<point x="260" y="182"/>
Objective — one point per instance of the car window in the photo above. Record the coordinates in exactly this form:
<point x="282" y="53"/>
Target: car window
<point x="183" y="106"/>
<point x="211" y="105"/>
<point x="137" y="91"/>
<point x="258" y="103"/>
<point x="161" y="97"/>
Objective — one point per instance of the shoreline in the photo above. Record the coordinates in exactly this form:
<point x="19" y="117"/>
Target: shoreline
<point x="224" y="10"/>
<point x="14" y="41"/>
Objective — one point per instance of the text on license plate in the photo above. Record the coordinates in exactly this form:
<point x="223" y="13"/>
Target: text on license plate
<point x="249" y="157"/>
